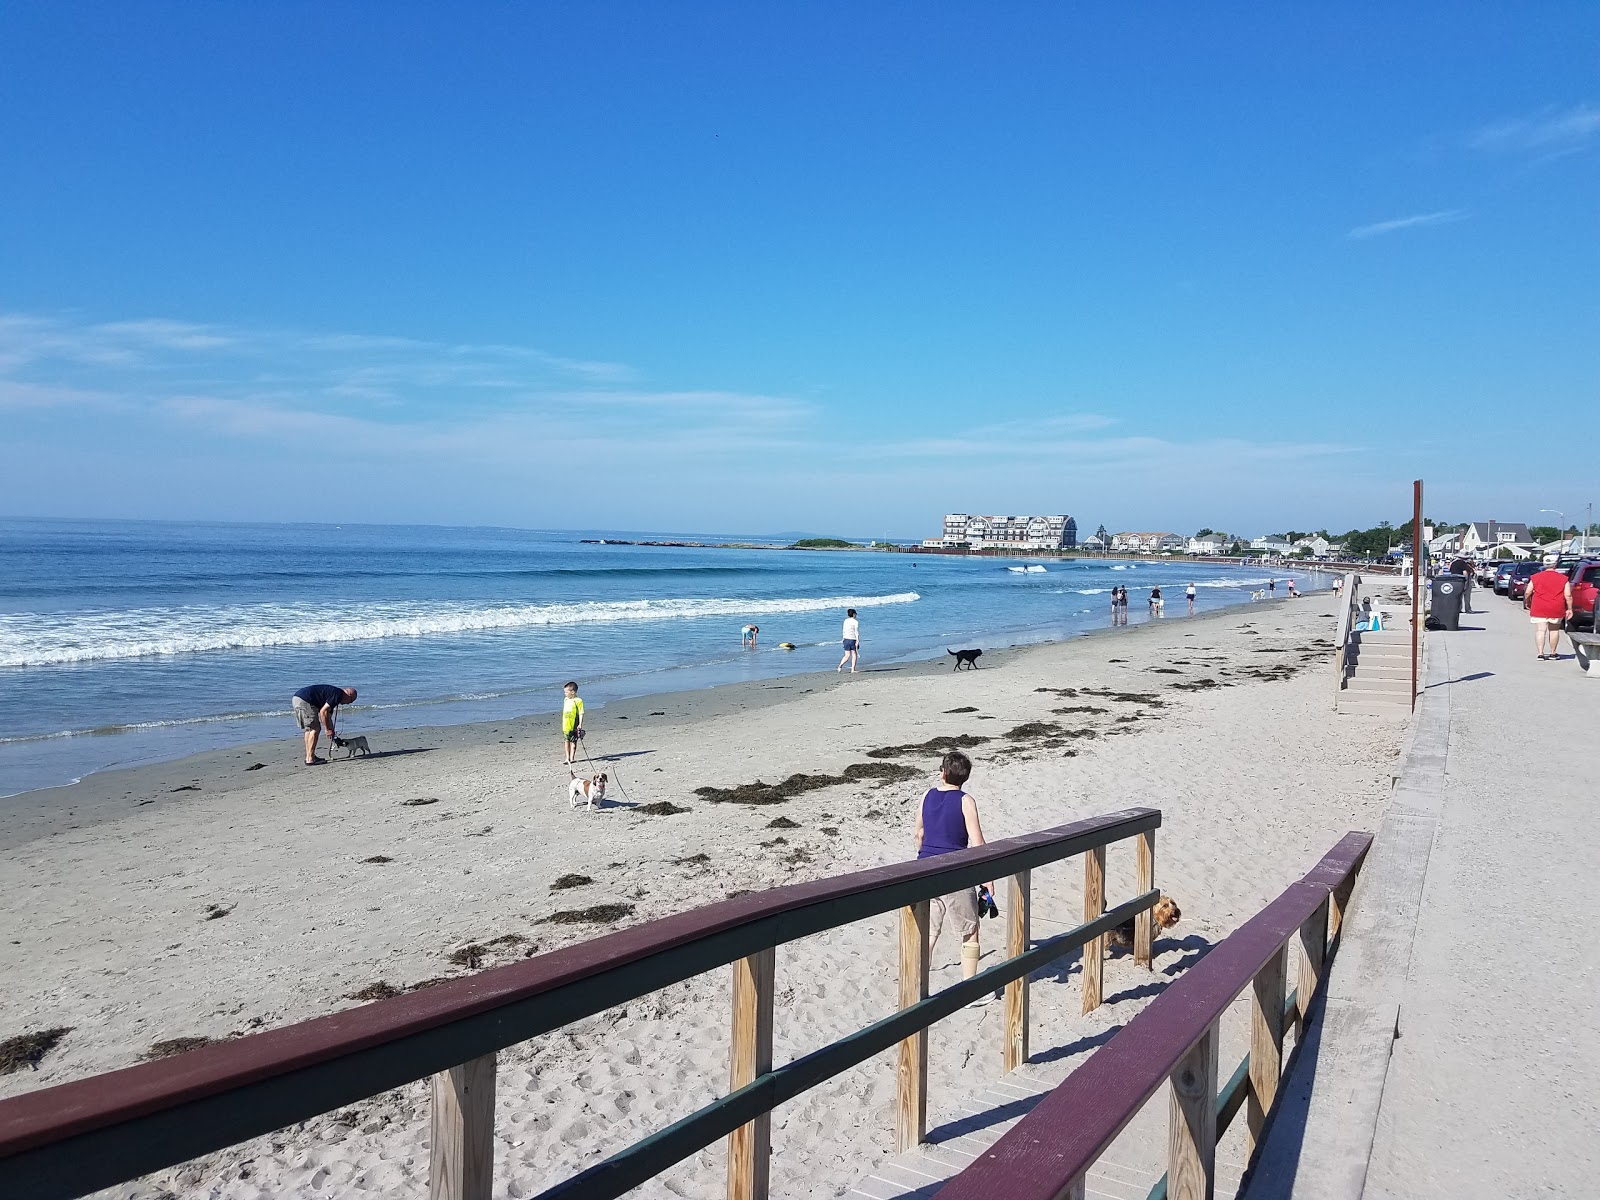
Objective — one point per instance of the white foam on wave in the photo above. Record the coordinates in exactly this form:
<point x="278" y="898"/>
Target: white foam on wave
<point x="54" y="639"/>
<point x="1030" y="569"/>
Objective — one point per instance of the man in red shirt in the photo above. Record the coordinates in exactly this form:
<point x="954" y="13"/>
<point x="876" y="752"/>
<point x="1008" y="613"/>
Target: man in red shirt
<point x="1549" y="602"/>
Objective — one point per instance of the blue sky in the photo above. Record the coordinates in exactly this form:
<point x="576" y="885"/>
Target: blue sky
<point x="824" y="267"/>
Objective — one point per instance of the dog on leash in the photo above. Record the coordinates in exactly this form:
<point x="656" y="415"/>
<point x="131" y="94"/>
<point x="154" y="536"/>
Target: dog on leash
<point x="1166" y="914"/>
<point x="970" y="657"/>
<point x="353" y="746"/>
<point x="589" y="791"/>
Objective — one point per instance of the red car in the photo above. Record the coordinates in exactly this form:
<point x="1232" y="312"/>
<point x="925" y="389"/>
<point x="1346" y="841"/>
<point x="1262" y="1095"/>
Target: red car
<point x="1585" y="578"/>
<point x="1517" y="580"/>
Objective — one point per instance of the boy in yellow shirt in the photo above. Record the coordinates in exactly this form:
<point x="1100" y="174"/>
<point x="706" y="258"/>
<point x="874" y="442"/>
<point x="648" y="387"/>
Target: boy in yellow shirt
<point x="571" y="722"/>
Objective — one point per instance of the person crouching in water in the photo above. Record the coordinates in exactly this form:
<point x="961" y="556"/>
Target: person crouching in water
<point x="947" y="820"/>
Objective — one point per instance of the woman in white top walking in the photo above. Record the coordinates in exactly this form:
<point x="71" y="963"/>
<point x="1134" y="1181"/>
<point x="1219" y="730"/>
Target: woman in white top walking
<point x="852" y="640"/>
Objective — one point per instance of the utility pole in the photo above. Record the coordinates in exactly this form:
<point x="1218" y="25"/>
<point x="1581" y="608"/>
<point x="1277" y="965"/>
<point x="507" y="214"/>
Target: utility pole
<point x="1416" y="586"/>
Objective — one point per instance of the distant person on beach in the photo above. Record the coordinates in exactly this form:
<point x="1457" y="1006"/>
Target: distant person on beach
<point x="1464" y="569"/>
<point x="1155" y="602"/>
<point x="313" y="711"/>
<point x="1272" y="586"/>
<point x="1189" y="594"/>
<point x="1549" y="602"/>
<point x="747" y="636"/>
<point x="1292" y="592"/>
<point x="852" y="641"/>
<point x="947" y="820"/>
<point x="571" y="721"/>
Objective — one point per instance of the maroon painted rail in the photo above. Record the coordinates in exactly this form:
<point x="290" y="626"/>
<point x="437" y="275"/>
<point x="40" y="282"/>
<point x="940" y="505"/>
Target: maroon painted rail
<point x="1048" y="1154"/>
<point x="94" y="1132"/>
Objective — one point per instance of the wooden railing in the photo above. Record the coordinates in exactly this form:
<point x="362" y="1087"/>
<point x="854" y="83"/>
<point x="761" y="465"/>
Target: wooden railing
<point x="1174" y="1042"/>
<point x="1347" y="619"/>
<point x="92" y="1133"/>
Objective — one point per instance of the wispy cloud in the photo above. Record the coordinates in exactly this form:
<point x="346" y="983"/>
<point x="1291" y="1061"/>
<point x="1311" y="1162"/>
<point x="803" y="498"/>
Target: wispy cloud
<point x="1415" y="221"/>
<point x="384" y="396"/>
<point x="1549" y="131"/>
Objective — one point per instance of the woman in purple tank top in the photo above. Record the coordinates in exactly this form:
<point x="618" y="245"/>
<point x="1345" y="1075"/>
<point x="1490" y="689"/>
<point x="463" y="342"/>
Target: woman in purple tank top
<point x="947" y="820"/>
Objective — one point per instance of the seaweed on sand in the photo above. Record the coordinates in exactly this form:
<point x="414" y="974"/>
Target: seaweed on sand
<point x="419" y="800"/>
<point x="782" y="823"/>
<point x="1149" y="698"/>
<point x="1033" y="729"/>
<point x="760" y="792"/>
<point x="378" y="858"/>
<point x="28" y="1049"/>
<point x="661" y="808"/>
<point x="570" y="881"/>
<point x="693" y="860"/>
<point x="964" y="709"/>
<point x="173" y="1046"/>
<point x="963" y="741"/>
<point x="595" y="914"/>
<point x="1092" y="709"/>
<point x="375" y="991"/>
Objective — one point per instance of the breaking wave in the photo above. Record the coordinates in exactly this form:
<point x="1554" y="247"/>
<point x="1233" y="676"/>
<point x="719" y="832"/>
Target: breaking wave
<point x="54" y="639"/>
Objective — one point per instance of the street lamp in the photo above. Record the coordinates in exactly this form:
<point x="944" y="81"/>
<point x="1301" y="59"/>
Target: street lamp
<point x="1563" y="517"/>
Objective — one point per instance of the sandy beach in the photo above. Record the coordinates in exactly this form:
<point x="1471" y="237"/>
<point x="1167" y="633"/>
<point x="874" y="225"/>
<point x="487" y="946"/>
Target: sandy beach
<point x="209" y="897"/>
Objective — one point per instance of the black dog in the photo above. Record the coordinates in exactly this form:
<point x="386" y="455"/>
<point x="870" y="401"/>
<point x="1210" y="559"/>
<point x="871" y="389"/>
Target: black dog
<point x="970" y="657"/>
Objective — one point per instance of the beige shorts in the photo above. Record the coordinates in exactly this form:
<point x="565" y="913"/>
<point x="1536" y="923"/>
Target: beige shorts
<point x="305" y="714"/>
<point x="962" y="908"/>
<point x="1550" y="622"/>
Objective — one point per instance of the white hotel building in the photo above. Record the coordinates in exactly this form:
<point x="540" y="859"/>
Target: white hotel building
<point x="1007" y="533"/>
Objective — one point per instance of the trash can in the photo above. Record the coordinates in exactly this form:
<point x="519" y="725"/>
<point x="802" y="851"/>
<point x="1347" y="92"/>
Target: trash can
<point x="1448" y="593"/>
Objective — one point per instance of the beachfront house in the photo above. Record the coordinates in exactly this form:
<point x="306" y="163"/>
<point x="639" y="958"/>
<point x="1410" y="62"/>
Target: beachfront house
<point x="1271" y="544"/>
<point x="1498" y="539"/>
<point x="1010" y="533"/>
<point x="1316" y="544"/>
<point x="1093" y="542"/>
<point x="1147" y="543"/>
<point x="1209" y="544"/>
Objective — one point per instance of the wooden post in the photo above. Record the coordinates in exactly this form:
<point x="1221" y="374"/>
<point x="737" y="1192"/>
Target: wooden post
<point x="1094" y="905"/>
<point x="1313" y="949"/>
<point x="911" y="1119"/>
<point x="1337" y="903"/>
<point x="1018" y="920"/>
<point x="1192" y="1125"/>
<point x="461" y="1158"/>
<point x="750" y="1146"/>
<point x="1144" y="925"/>
<point x="1266" y="1041"/>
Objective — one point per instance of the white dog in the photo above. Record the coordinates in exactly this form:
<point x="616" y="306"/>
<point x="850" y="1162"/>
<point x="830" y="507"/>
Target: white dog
<point x="587" y="791"/>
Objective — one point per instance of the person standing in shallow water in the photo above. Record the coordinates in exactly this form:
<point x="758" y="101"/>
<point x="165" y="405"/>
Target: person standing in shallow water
<point x="1190" y="595"/>
<point x="852" y="641"/>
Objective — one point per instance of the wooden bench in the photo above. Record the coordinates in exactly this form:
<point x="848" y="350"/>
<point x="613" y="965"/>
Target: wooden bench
<point x="1583" y="645"/>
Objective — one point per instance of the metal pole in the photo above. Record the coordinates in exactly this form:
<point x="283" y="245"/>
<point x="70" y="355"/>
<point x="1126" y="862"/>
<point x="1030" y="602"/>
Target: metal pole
<point x="1416" y="586"/>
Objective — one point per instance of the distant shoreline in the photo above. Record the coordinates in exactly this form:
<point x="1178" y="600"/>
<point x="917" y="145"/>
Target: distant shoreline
<point x="1308" y="564"/>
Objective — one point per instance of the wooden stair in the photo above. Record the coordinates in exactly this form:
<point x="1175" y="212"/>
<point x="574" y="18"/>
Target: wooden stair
<point x="1377" y="673"/>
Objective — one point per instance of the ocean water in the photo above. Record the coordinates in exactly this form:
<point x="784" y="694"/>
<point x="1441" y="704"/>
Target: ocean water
<point x="130" y="642"/>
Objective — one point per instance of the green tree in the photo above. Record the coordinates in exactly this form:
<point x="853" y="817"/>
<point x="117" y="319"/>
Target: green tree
<point x="1206" y="532"/>
<point x="1543" y="533"/>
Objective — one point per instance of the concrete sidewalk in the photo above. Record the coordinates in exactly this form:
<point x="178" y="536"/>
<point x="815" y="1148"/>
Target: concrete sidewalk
<point x="1492" y="1086"/>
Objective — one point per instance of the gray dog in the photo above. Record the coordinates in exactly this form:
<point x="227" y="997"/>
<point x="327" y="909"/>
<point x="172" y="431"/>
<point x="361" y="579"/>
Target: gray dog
<point x="352" y="746"/>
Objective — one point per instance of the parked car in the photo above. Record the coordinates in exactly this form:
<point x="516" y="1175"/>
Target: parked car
<point x="1585" y="576"/>
<point x="1486" y="572"/>
<point x="1517" y="580"/>
<point x="1502" y="577"/>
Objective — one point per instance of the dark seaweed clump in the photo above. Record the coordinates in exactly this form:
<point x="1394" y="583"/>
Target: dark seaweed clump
<point x="375" y="991"/>
<point x="595" y="914"/>
<point x="798" y="784"/>
<point x="661" y="808"/>
<point x="420" y="800"/>
<point x="570" y="881"/>
<point x="1034" y="729"/>
<point x="782" y="823"/>
<point x="28" y="1049"/>
<point x="173" y="1046"/>
<point x="938" y="745"/>
<point x="964" y="709"/>
<point x="1080" y="708"/>
<point x="378" y="858"/>
<point x="1149" y="698"/>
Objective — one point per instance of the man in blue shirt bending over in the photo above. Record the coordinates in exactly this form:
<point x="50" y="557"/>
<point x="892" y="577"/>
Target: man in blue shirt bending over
<point x="313" y="707"/>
